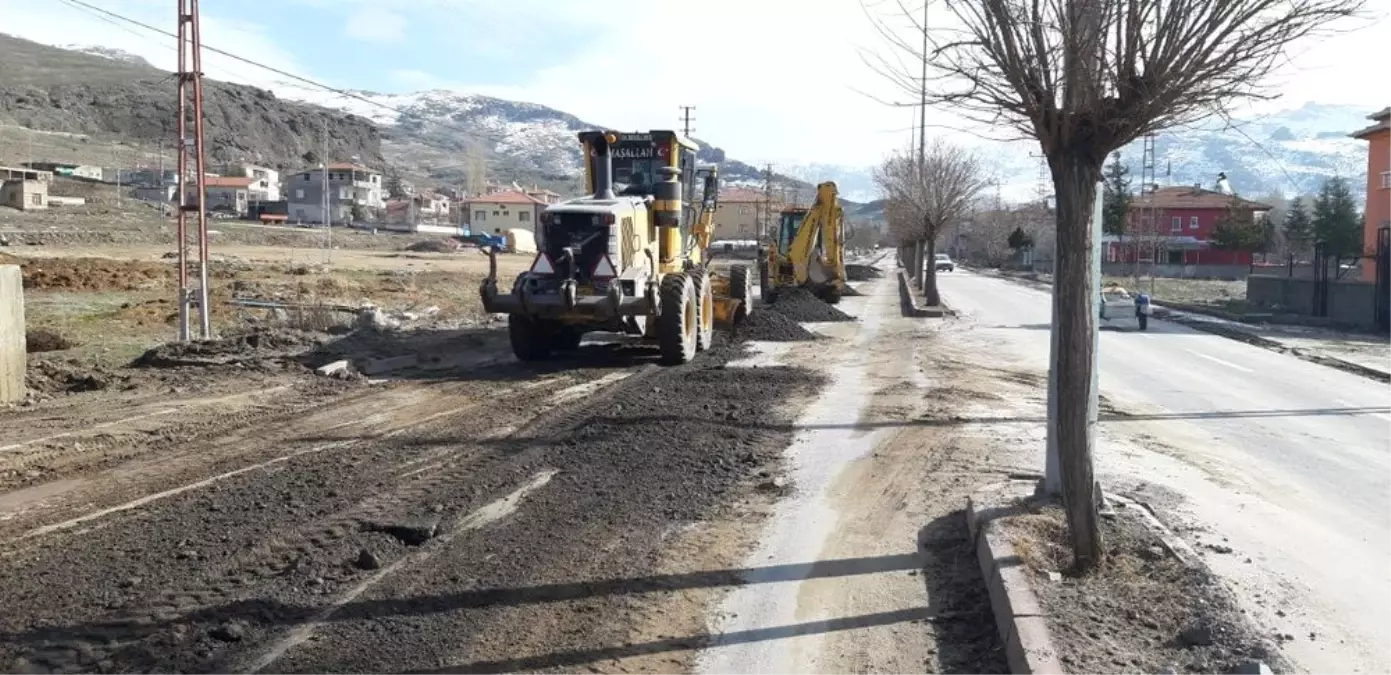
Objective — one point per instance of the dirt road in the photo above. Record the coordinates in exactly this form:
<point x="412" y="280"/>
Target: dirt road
<point x="795" y="505"/>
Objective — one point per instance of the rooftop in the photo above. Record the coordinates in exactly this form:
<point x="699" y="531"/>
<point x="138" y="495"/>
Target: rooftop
<point x="227" y="182"/>
<point x="1383" y="123"/>
<point x="1192" y="197"/>
<point x="505" y="197"/>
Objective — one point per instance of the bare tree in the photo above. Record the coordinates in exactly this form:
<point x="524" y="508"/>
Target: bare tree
<point x="932" y="194"/>
<point x="1085" y="77"/>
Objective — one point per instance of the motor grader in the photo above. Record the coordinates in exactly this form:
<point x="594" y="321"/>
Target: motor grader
<point x="807" y="250"/>
<point x="630" y="257"/>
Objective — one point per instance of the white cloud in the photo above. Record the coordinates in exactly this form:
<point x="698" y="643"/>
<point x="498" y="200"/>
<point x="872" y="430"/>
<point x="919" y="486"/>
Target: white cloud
<point x="61" y="24"/>
<point x="371" y="23"/>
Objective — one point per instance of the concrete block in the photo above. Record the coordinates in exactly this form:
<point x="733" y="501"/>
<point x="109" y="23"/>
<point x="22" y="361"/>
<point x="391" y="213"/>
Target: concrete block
<point x="13" y="358"/>
<point x="339" y="366"/>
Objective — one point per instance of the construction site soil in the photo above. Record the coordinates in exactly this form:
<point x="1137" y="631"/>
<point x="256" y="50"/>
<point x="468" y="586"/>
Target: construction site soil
<point x="297" y="523"/>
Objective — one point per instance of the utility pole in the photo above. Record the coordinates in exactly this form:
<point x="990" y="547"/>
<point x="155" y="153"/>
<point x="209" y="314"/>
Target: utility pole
<point x="1149" y="217"/>
<point x="686" y="120"/>
<point x="924" y="249"/>
<point x="769" y="222"/>
<point x="190" y="78"/>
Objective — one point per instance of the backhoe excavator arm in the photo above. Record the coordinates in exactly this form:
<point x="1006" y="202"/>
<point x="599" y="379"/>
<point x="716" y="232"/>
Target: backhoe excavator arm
<point x="824" y="223"/>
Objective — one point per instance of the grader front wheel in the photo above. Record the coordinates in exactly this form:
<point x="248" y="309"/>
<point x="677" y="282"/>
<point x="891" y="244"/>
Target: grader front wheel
<point x="705" y="307"/>
<point x="679" y="322"/>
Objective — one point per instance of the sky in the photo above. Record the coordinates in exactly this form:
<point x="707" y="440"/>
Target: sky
<point x="782" y="81"/>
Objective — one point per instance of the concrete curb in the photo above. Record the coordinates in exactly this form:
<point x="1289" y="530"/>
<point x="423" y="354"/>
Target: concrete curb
<point x="1018" y="615"/>
<point x="909" y="301"/>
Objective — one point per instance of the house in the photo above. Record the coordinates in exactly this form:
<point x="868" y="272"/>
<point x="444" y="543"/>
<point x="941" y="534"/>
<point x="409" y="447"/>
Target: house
<point x="354" y="193"/>
<point x="69" y="170"/>
<point x="544" y="195"/>
<point x="741" y="214"/>
<point x="24" y="194"/>
<point x="156" y="193"/>
<point x="265" y="186"/>
<point x="1175" y="226"/>
<point x="432" y="206"/>
<point x="503" y="211"/>
<point x="25" y="173"/>
<point x="227" y="193"/>
<point x="1378" y="209"/>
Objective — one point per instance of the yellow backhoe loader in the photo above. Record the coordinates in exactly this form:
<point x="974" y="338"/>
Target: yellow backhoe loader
<point x="808" y="249"/>
<point x="630" y="257"/>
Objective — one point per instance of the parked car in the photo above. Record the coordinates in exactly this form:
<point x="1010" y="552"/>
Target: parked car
<point x="943" y="263"/>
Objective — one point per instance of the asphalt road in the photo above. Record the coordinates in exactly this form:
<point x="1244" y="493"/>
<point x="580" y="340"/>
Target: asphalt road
<point x="1282" y="464"/>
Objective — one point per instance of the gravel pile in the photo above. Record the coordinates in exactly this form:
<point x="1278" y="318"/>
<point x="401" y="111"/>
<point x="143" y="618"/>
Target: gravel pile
<point x="799" y="304"/>
<point x="863" y="272"/>
<point x="771" y="326"/>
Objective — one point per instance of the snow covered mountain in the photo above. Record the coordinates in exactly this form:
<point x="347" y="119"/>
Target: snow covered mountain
<point x="107" y="53"/>
<point x="1290" y="152"/>
<point x="440" y="133"/>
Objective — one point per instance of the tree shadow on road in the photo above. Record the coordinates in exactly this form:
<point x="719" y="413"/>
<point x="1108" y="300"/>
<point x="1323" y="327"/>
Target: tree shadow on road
<point x="963" y="623"/>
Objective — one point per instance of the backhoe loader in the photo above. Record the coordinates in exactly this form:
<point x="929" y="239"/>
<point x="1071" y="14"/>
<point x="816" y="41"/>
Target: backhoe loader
<point x="807" y="250"/>
<point x="631" y="257"/>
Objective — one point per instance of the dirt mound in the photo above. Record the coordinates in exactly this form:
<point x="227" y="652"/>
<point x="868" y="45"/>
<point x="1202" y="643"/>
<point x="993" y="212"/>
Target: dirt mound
<point x="800" y="304"/>
<point x="43" y="340"/>
<point x="95" y="274"/>
<point x="434" y="246"/>
<point x="256" y="348"/>
<point x="772" y="327"/>
<point x="863" y="272"/>
<point x="53" y="377"/>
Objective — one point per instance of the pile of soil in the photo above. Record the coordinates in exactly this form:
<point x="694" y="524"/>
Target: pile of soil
<point x="257" y="348"/>
<point x="771" y="326"/>
<point x="434" y="246"/>
<point x="43" y="340"/>
<point x="54" y="377"/>
<point x="1142" y="610"/>
<point x="799" y="304"/>
<point x="95" y="274"/>
<point x="863" y="272"/>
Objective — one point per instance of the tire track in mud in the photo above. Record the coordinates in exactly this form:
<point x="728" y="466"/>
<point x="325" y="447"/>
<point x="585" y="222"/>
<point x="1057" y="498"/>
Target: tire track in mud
<point x="271" y="555"/>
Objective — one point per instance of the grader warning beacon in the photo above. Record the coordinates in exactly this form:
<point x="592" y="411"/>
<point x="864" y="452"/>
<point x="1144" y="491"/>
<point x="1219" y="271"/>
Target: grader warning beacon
<point x="631" y="257"/>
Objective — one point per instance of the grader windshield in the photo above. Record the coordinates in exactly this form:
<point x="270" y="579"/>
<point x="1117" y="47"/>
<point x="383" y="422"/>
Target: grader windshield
<point x="638" y="158"/>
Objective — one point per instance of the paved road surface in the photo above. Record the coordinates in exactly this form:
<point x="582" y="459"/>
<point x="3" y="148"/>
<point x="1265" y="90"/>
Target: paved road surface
<point x="1286" y="461"/>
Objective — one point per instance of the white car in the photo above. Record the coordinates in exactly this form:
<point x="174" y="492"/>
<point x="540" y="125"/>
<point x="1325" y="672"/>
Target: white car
<point x="943" y="263"/>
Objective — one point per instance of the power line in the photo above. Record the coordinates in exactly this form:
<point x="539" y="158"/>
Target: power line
<point x="298" y="78"/>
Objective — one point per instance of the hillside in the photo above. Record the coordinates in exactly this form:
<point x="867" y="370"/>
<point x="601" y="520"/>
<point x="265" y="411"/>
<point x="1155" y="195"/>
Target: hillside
<point x="442" y="135"/>
<point x="104" y="98"/>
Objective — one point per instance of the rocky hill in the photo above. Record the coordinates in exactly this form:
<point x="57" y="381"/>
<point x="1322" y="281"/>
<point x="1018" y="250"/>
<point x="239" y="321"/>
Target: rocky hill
<point x="107" y="97"/>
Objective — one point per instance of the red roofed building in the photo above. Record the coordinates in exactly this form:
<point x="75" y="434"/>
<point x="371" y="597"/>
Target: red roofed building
<point x="1175" y="226"/>
<point x="502" y="211"/>
<point x="228" y="194"/>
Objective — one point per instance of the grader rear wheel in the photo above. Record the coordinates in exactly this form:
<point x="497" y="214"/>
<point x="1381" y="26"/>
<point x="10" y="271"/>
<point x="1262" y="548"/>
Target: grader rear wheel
<point x="532" y="340"/>
<point x="741" y="289"/>
<point x="679" y="322"/>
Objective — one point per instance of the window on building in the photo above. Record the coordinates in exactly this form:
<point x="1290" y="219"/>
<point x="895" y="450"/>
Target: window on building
<point x="299" y="194"/>
<point x="1193" y="223"/>
<point x="1177" y="225"/>
<point x="36" y="199"/>
<point x="495" y="213"/>
<point x="524" y="216"/>
<point x="1175" y="257"/>
<point x="304" y="178"/>
<point x="1386" y="179"/>
<point x="480" y="216"/>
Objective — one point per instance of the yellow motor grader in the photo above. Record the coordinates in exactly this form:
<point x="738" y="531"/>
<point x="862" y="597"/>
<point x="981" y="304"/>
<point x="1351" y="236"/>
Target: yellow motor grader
<point x="630" y="257"/>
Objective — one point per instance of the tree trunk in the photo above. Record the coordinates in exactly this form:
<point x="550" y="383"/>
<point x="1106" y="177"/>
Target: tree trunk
<point x="930" y="295"/>
<point x="1073" y="305"/>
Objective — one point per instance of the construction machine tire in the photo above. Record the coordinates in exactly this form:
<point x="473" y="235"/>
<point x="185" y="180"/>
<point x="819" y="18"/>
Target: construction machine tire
<point x="831" y="296"/>
<point x="705" y="307"/>
<point x="532" y="340"/>
<point x="679" y="322"/>
<point x="741" y="289"/>
<point x="765" y="284"/>
<point x="567" y="338"/>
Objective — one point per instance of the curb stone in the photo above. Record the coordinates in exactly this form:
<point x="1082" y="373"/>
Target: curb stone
<point x="1018" y="615"/>
<point x="909" y="301"/>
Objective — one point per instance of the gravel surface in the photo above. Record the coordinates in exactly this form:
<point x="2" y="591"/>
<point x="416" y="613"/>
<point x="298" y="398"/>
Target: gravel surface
<point x="1144" y="609"/>
<point x="857" y="272"/>
<point x="771" y="325"/>
<point x="211" y="578"/>
<point x="800" y="304"/>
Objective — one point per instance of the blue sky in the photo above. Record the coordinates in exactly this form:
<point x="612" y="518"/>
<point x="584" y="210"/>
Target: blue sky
<point x="773" y="80"/>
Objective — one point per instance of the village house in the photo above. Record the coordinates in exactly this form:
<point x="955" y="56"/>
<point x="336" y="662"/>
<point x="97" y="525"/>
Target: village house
<point x="1378" y="208"/>
<point x="1175" y="226"/>
<point x="354" y="192"/>
<point x="228" y="194"/>
<point x="265" y="184"/>
<point x="68" y="170"/>
<point x="740" y="214"/>
<point x="503" y="211"/>
<point x="23" y="188"/>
